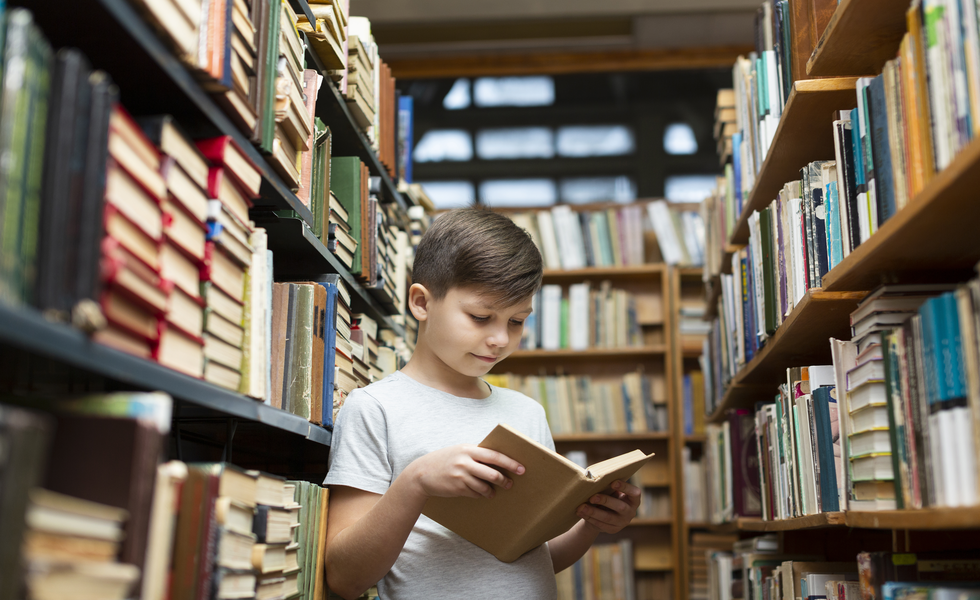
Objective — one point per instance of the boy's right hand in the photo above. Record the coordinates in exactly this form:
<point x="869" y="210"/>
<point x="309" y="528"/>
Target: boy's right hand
<point x="464" y="470"/>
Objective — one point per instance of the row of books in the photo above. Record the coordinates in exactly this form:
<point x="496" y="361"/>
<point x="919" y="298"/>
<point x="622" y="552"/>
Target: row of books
<point x="604" y="572"/>
<point x="693" y="403"/>
<point x="570" y="239"/>
<point x="695" y="492"/>
<point x="758" y="568"/>
<point x="587" y="317"/>
<point x="680" y="233"/>
<point x="581" y="404"/>
<point x="700" y="547"/>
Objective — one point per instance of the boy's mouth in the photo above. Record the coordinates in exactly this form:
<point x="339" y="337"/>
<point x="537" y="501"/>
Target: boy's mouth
<point x="488" y="359"/>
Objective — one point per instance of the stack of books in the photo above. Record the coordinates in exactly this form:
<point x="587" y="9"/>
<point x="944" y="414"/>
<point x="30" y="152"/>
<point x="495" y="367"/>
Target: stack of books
<point x="345" y="381"/>
<point x="388" y="260"/>
<point x="293" y="117"/>
<point x="717" y="228"/>
<point x="680" y="233"/>
<point x="135" y="298"/>
<point x="580" y="404"/>
<point x="588" y="317"/>
<point x="328" y="34"/>
<point x="419" y="220"/>
<point x="309" y="538"/>
<point x="725" y="124"/>
<point x="350" y="185"/>
<point x="275" y="554"/>
<point x="700" y="546"/>
<point x="364" y="346"/>
<point x="70" y="543"/>
<point x="178" y="24"/>
<point x="362" y="63"/>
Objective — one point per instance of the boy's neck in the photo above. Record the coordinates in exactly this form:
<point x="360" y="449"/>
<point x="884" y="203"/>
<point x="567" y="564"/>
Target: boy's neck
<point x="426" y="368"/>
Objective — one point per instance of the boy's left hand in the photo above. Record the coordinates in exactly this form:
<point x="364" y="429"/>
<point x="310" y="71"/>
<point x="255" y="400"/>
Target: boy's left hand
<point x="611" y="513"/>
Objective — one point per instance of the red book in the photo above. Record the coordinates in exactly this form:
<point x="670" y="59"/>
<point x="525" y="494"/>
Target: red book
<point x="223" y="150"/>
<point x="221" y="187"/>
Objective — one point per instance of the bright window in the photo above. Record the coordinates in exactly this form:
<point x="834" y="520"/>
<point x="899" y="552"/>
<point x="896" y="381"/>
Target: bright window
<point x="689" y="188"/>
<point x="450" y="194"/>
<point x="514" y="91"/>
<point x="459" y="95"/>
<point x="439" y="145"/>
<point x="518" y="142"/>
<point x="595" y="140"/>
<point x="518" y="192"/>
<point x="679" y="139"/>
<point x="585" y="190"/>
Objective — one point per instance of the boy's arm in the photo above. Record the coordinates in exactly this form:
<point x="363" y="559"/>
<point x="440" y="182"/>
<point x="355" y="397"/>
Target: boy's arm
<point x="603" y="514"/>
<point x="367" y="531"/>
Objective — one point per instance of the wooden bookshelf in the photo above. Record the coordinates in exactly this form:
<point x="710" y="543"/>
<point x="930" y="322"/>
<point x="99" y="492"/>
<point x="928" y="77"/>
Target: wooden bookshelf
<point x="920" y="519"/>
<point x="695" y="439"/>
<point x="633" y="272"/>
<point x="739" y="395"/>
<point x="591" y="353"/>
<point x="602" y="438"/>
<point x="932" y="238"/>
<point x="817" y="521"/>
<point x="804" y="134"/>
<point x="652" y="522"/>
<point x="860" y="38"/>
<point x="801" y="340"/>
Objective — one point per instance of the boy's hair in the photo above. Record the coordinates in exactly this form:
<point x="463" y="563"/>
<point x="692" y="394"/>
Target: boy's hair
<point x="474" y="247"/>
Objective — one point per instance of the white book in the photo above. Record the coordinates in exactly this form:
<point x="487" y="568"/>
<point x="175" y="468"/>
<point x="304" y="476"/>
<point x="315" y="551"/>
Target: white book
<point x="845" y="228"/>
<point x="550" y="252"/>
<point x="551" y="317"/>
<point x="799" y="272"/>
<point x="578" y="315"/>
<point x="663" y="225"/>
<point x="573" y="225"/>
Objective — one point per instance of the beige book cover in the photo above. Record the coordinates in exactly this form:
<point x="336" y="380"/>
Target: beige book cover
<point x="539" y="506"/>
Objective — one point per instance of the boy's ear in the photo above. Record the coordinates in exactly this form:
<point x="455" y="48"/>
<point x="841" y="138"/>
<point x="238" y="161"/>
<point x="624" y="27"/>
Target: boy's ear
<point x="418" y="301"/>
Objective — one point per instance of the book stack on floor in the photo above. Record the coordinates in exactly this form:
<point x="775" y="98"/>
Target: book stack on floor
<point x="911" y="427"/>
<point x="605" y="571"/>
<point x="725" y="124"/>
<point x="229" y="253"/>
<point x="580" y="404"/>
<point x="275" y="554"/>
<point x="588" y="317"/>
<point x="701" y="544"/>
<point x="733" y="478"/>
<point x="571" y="239"/>
<point x="328" y="35"/>
<point x="798" y="451"/>
<point x="309" y="539"/>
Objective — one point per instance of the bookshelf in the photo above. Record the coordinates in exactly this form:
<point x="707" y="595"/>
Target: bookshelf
<point x="860" y="37"/>
<point x="804" y="133"/>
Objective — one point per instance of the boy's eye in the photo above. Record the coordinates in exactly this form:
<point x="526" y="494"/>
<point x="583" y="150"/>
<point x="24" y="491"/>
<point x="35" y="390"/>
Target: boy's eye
<point x="516" y="322"/>
<point x="479" y="319"/>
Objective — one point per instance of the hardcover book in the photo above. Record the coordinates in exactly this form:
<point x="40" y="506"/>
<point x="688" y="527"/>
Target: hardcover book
<point x="539" y="506"/>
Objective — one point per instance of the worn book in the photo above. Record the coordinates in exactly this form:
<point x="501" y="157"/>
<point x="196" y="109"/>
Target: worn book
<point x="541" y="504"/>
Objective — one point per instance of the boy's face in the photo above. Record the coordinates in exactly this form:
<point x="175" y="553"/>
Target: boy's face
<point x="469" y="335"/>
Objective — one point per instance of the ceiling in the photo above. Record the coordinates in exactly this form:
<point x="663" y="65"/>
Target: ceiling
<point x="423" y="33"/>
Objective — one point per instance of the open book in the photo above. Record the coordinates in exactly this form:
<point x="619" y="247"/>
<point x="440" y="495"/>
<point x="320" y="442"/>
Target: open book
<point x="539" y="506"/>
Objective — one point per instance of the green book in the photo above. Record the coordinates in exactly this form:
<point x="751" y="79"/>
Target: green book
<point x="268" y="115"/>
<point x="564" y="323"/>
<point x="771" y="312"/>
<point x="301" y="495"/>
<point x="892" y="348"/>
<point x="299" y="374"/>
<point x="345" y="183"/>
<point x="314" y="536"/>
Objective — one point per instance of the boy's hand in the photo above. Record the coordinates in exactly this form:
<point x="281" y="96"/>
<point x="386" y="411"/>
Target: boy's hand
<point x="611" y="513"/>
<point x="463" y="470"/>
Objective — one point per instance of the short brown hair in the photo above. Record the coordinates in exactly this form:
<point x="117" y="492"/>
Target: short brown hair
<point x="475" y="247"/>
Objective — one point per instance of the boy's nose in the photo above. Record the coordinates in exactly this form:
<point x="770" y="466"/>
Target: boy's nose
<point x="499" y="337"/>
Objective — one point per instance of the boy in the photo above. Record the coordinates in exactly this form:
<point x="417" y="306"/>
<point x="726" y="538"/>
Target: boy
<point x="412" y="435"/>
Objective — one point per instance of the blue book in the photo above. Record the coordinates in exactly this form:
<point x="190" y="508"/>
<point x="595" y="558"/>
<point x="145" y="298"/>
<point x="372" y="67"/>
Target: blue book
<point x="953" y="371"/>
<point x="688" y="406"/>
<point x="835" y="244"/>
<point x="329" y="349"/>
<point x="930" y="313"/>
<point x="737" y="171"/>
<point x="859" y="182"/>
<point x="829" y="501"/>
<point x="747" y="308"/>
<point x="405" y="132"/>
<point x="881" y="150"/>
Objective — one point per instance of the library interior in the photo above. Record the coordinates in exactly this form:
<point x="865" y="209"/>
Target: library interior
<point x="755" y="304"/>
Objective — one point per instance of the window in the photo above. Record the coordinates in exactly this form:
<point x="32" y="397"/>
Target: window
<point x="689" y="188"/>
<point x="450" y="194"/>
<point x="438" y="145"/>
<point x="518" y="192"/>
<point x="679" y="139"/>
<point x="514" y="91"/>
<point x="595" y="140"/>
<point x="585" y="190"/>
<point x="459" y="95"/>
<point x="522" y="142"/>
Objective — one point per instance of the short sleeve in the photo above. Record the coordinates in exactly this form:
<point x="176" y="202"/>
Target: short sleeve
<point x="359" y="446"/>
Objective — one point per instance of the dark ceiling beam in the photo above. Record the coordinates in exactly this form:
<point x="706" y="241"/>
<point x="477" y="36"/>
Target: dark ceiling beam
<point x="477" y="170"/>
<point x="555" y="63"/>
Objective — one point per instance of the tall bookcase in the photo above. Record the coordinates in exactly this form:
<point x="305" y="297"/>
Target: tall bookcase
<point x="927" y="240"/>
<point x="656" y="542"/>
<point x="209" y="422"/>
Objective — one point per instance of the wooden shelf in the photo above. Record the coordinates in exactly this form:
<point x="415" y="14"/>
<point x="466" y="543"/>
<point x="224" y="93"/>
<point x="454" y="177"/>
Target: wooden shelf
<point x="804" y="135"/>
<point x="690" y="272"/>
<point x="926" y="518"/>
<point x="575" y="438"/>
<point x="695" y="439"/>
<point x="934" y="237"/>
<point x="861" y="37"/>
<point x="801" y="340"/>
<point x="590" y="353"/>
<point x="713" y="292"/>
<point x="651" y="523"/>
<point x="638" y="271"/>
<point x="739" y="395"/>
<point x="817" y="521"/>
<point x="726" y="257"/>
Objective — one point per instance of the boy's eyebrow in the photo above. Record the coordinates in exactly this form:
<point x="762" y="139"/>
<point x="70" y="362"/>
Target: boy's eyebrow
<point x="487" y="306"/>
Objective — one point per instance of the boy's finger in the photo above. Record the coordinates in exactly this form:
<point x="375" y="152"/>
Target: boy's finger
<point x="492" y="457"/>
<point x="630" y="490"/>
<point x="492" y="476"/>
<point x="610" y="503"/>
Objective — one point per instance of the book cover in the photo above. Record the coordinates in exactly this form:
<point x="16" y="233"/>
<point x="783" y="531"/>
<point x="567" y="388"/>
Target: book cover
<point x="539" y="506"/>
<point x="881" y="150"/>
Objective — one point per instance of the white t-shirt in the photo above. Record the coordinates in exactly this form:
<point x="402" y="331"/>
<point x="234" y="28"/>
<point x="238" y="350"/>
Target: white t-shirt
<point x="384" y="427"/>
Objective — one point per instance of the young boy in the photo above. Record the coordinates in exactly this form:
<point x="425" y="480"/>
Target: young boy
<point x="412" y="435"/>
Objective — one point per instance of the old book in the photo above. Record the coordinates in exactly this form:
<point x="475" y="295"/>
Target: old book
<point x="180" y="350"/>
<point x="280" y="317"/>
<point x="222" y="150"/>
<point x="539" y="506"/>
<point x="345" y="183"/>
<point x="184" y="190"/>
<point x="163" y="518"/>
<point x="183" y="229"/>
<point x="166" y="133"/>
<point x="298" y="364"/>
